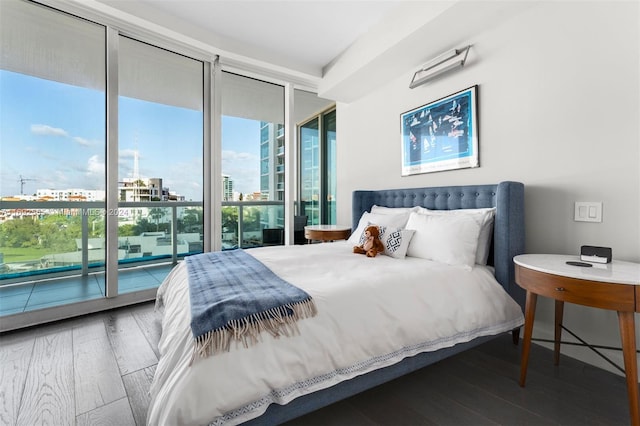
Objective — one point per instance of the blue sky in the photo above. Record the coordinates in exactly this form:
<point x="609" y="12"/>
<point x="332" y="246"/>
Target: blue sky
<point x="54" y="133"/>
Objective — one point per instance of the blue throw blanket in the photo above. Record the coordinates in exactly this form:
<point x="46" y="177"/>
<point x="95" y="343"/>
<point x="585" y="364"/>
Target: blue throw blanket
<point x="234" y="296"/>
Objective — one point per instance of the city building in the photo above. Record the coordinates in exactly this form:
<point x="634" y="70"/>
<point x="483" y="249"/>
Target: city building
<point x="142" y="189"/>
<point x="227" y="188"/>
<point x="272" y="177"/>
<point x="272" y="161"/>
<point x="70" y="195"/>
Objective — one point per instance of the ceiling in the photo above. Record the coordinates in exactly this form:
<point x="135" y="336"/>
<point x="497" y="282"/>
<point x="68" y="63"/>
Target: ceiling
<point x="338" y="48"/>
<point x="305" y="35"/>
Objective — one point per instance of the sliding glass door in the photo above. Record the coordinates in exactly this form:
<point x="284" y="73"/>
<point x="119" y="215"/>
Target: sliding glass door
<point x="253" y="153"/>
<point x="57" y="151"/>
<point x="317" y="165"/>
<point x="160" y="169"/>
<point x="330" y="181"/>
<point x="310" y="171"/>
<point x="52" y="157"/>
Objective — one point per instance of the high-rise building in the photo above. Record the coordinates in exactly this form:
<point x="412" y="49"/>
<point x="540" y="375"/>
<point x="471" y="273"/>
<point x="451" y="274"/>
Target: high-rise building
<point x="272" y="177"/>
<point x="227" y="188"/>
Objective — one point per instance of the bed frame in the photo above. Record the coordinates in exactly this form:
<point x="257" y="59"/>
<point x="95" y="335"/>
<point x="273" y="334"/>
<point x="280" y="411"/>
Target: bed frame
<point x="508" y="241"/>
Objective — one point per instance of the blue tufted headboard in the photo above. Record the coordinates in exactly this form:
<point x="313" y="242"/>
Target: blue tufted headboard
<point x="508" y="231"/>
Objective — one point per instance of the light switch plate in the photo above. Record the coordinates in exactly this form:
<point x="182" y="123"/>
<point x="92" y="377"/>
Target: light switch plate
<point x="588" y="211"/>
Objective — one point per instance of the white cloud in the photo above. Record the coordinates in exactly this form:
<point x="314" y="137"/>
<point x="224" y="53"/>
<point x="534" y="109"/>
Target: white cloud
<point x="243" y="168"/>
<point x="95" y="166"/>
<point x="128" y="153"/>
<point x="238" y="156"/>
<point x="185" y="178"/>
<point x="49" y="179"/>
<point x="60" y="178"/>
<point x="44" y="130"/>
<point x="83" y="141"/>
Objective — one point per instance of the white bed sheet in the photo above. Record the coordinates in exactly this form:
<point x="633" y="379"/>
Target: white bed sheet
<point x="372" y="312"/>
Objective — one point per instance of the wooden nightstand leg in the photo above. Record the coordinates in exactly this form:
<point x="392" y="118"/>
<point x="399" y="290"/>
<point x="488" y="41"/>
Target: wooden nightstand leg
<point x="628" y="337"/>
<point x="557" y="335"/>
<point x="529" y="316"/>
<point x="515" y="336"/>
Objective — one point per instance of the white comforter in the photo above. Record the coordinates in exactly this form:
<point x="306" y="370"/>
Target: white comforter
<point x="372" y="312"/>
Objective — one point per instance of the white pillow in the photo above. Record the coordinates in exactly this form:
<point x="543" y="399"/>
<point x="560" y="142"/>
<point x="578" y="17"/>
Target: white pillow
<point x="484" y="217"/>
<point x="450" y="239"/>
<point x="391" y="220"/>
<point x="395" y="240"/>
<point x="393" y="210"/>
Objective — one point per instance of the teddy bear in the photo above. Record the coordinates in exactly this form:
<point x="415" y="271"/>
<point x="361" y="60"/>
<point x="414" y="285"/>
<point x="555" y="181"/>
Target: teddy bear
<point x="372" y="244"/>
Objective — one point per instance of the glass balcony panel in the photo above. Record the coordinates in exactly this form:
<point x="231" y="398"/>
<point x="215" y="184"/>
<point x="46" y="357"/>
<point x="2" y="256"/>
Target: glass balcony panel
<point x="190" y="230"/>
<point x="250" y="219"/>
<point x="144" y="234"/>
<point x="49" y="257"/>
<point x="46" y="241"/>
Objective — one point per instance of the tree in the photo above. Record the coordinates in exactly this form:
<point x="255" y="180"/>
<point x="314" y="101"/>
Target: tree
<point x="60" y="231"/>
<point x="251" y="219"/>
<point x="156" y="213"/>
<point x="20" y="233"/>
<point x="127" y="230"/>
<point x="230" y="219"/>
<point x="191" y="221"/>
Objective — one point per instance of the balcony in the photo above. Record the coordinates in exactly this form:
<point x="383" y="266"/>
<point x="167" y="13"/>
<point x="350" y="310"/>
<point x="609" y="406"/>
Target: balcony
<point x="243" y="222"/>
<point x="56" y="255"/>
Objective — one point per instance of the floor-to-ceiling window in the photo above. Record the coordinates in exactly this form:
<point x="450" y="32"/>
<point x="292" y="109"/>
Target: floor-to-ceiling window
<point x="330" y="181"/>
<point x="310" y="170"/>
<point x="102" y="157"/>
<point x="317" y="166"/>
<point x="52" y="156"/>
<point x="160" y="168"/>
<point x="253" y="153"/>
<point x="55" y="159"/>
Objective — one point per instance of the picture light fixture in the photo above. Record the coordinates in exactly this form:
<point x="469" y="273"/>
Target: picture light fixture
<point x="440" y="65"/>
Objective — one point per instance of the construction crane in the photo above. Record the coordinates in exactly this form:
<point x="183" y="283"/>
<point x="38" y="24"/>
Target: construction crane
<point x="22" y="181"/>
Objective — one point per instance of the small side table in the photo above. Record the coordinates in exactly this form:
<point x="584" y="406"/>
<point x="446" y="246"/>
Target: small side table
<point x="614" y="286"/>
<point x="326" y="232"/>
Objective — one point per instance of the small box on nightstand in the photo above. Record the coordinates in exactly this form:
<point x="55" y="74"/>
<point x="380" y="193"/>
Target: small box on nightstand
<point x="595" y="254"/>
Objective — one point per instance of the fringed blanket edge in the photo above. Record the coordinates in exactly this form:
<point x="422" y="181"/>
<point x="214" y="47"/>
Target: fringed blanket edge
<point x="279" y="321"/>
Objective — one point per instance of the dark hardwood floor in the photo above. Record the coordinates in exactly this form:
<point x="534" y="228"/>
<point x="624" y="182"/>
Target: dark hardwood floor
<point x="97" y="369"/>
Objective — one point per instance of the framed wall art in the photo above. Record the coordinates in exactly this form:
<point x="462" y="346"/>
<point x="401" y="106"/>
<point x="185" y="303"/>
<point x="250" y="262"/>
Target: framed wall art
<point x="441" y="135"/>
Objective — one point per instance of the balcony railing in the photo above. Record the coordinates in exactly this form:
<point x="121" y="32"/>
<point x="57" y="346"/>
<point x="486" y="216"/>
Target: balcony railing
<point x="68" y="238"/>
<point x="243" y="222"/>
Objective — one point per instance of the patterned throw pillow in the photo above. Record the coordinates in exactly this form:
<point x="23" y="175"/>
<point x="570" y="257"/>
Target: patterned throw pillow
<point x="395" y="240"/>
<point x="392" y="220"/>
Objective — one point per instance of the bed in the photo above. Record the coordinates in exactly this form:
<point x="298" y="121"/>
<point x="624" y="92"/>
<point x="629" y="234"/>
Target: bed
<point x="377" y="318"/>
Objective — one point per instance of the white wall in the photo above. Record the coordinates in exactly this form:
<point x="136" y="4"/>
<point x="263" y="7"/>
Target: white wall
<point x="558" y="110"/>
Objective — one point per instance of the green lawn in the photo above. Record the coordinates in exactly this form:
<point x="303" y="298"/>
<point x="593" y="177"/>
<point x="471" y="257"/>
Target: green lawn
<point x="24" y="254"/>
